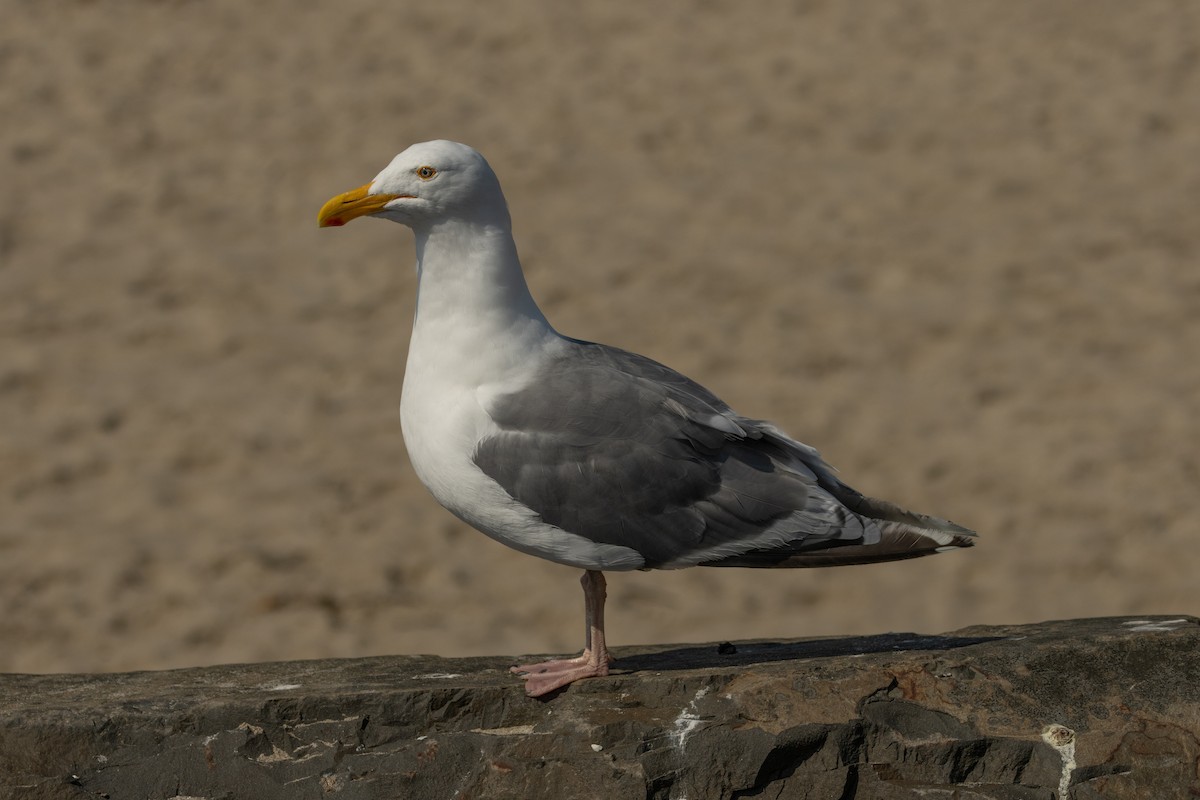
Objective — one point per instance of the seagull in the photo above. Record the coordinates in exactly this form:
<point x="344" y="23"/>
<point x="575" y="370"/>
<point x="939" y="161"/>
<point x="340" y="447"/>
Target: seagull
<point x="584" y="454"/>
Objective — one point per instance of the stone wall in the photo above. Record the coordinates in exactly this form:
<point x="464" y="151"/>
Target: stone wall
<point x="1082" y="709"/>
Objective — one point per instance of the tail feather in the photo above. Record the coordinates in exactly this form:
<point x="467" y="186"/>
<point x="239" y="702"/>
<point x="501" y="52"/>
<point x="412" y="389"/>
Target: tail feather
<point x="903" y="534"/>
<point x="898" y="541"/>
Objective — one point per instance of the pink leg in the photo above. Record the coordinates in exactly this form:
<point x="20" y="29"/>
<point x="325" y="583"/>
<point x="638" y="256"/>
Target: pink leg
<point x="545" y="676"/>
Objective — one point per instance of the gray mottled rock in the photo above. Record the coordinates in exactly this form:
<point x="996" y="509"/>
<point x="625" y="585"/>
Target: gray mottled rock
<point x="1082" y="709"/>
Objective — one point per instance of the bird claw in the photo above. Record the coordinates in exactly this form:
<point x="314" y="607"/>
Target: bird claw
<point x="544" y="677"/>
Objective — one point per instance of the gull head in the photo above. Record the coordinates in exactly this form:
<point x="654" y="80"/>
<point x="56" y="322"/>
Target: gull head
<point x="428" y="183"/>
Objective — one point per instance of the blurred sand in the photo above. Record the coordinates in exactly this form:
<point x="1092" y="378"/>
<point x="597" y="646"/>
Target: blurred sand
<point x="953" y="245"/>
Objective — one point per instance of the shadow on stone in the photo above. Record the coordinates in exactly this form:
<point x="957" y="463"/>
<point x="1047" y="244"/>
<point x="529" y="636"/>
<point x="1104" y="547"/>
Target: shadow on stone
<point x="763" y="652"/>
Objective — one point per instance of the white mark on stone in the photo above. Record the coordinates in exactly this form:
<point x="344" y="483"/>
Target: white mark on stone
<point x="687" y="721"/>
<point x="277" y="754"/>
<point x="1062" y="739"/>
<point x="1153" y="626"/>
<point x="515" y="730"/>
<point x="281" y="687"/>
<point x="596" y="748"/>
<point x="439" y="676"/>
<point x="331" y="783"/>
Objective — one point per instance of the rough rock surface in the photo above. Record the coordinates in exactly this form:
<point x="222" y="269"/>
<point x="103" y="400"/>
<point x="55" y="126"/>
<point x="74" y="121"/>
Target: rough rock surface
<point x="1082" y="709"/>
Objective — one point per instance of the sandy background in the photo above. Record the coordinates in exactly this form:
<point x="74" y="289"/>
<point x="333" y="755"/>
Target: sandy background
<point x="956" y="246"/>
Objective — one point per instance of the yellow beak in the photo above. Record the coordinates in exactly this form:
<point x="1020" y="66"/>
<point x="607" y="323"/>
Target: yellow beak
<point x="355" y="203"/>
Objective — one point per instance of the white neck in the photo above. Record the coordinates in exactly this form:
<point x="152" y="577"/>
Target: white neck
<point x="475" y="315"/>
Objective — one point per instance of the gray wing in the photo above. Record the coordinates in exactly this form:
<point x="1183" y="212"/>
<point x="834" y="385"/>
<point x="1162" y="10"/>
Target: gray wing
<point x="621" y="450"/>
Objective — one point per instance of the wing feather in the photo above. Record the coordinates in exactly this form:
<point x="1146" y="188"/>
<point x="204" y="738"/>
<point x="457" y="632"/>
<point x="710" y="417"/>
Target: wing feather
<point x="622" y="450"/>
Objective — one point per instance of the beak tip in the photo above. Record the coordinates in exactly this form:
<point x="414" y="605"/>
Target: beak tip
<point x="351" y="205"/>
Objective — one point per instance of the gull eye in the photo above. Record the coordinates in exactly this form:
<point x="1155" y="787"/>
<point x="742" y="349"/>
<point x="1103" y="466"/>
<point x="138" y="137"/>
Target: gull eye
<point x="426" y="173"/>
